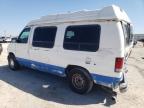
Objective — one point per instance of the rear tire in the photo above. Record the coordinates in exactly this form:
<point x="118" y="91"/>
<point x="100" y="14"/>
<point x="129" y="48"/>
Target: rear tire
<point x="80" y="80"/>
<point x="13" y="64"/>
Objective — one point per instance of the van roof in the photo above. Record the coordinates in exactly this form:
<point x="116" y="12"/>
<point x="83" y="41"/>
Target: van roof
<point x="107" y="13"/>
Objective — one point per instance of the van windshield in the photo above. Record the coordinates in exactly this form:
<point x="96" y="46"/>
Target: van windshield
<point x="128" y="33"/>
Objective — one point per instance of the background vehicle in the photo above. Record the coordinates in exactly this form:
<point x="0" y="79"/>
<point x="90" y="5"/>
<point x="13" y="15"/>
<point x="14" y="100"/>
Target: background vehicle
<point x="8" y="39"/>
<point x="87" y="47"/>
<point x="2" y="39"/>
<point x="139" y="37"/>
<point x="5" y="39"/>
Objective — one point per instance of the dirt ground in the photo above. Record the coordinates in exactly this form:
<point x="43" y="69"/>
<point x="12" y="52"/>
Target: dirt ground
<point x="32" y="89"/>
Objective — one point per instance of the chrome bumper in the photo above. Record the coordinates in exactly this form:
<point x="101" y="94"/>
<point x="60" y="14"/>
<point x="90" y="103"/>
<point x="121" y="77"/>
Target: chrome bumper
<point x="123" y="84"/>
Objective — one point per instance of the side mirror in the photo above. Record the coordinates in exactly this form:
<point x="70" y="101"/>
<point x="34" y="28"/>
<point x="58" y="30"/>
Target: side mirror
<point x="14" y="40"/>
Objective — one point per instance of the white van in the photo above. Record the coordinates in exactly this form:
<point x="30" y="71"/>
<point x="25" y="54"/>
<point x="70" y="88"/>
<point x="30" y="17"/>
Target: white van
<point x="87" y="47"/>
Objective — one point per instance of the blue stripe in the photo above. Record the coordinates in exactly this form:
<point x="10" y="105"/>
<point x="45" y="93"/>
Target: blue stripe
<point x="106" y="80"/>
<point x="42" y="66"/>
<point x="100" y="79"/>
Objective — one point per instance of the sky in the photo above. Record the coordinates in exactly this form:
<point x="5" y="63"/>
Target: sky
<point x="15" y="14"/>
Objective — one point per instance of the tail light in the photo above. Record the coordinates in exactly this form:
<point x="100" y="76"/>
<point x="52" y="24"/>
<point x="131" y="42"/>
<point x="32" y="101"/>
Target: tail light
<point x="119" y="64"/>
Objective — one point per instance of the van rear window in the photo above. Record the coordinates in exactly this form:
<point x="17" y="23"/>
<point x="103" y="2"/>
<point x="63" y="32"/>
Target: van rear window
<point x="82" y="38"/>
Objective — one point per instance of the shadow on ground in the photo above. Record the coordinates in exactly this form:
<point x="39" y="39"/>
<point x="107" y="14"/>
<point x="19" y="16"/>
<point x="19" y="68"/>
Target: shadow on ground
<point x="52" y="88"/>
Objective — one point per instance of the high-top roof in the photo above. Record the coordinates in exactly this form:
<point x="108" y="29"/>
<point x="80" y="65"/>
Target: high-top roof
<point x="107" y="13"/>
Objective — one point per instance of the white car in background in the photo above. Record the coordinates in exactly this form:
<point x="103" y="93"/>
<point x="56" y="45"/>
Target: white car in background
<point x="5" y="39"/>
<point x="2" y="39"/>
<point x="8" y="39"/>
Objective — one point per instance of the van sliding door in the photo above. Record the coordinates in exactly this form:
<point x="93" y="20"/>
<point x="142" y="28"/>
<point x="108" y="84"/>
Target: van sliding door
<point x="42" y="51"/>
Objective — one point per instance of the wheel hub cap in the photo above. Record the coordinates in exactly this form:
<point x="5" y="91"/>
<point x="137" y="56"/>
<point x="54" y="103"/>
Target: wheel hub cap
<point x="78" y="81"/>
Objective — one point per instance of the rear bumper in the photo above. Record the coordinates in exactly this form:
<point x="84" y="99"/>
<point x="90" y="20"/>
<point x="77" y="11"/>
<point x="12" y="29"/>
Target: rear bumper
<point x="123" y="84"/>
<point x="111" y="82"/>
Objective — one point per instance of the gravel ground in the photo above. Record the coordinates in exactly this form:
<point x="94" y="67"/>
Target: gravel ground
<point x="32" y="89"/>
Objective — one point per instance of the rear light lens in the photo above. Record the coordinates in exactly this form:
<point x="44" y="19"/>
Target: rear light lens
<point x="119" y="64"/>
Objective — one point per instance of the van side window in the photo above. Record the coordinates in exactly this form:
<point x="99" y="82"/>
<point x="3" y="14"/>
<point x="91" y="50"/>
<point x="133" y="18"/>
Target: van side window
<point x="128" y="33"/>
<point x="23" y="37"/>
<point x="82" y="38"/>
<point x="44" y="37"/>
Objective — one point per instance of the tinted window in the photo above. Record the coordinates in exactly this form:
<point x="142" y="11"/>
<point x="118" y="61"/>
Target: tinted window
<point x="23" y="38"/>
<point x="83" y="38"/>
<point x="128" y="32"/>
<point x="44" y="37"/>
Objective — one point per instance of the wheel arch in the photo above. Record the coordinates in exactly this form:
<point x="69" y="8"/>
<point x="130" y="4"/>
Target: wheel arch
<point x="70" y="67"/>
<point x="11" y="54"/>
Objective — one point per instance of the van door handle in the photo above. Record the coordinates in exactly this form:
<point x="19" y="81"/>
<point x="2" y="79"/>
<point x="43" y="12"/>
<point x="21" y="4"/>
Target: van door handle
<point x="36" y="48"/>
<point x="46" y="50"/>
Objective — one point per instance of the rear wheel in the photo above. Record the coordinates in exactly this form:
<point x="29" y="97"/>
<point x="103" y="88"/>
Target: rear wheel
<point x="13" y="64"/>
<point x="80" y="81"/>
